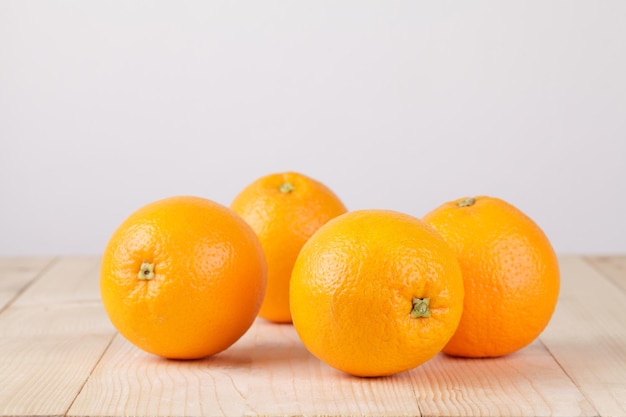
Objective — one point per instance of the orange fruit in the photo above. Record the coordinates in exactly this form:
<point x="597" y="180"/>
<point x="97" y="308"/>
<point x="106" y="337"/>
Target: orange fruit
<point x="376" y="292"/>
<point x="183" y="277"/>
<point x="510" y="270"/>
<point x="284" y="209"/>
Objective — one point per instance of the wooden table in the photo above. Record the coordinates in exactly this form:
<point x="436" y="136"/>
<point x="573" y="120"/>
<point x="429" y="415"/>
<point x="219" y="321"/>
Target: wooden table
<point x="59" y="355"/>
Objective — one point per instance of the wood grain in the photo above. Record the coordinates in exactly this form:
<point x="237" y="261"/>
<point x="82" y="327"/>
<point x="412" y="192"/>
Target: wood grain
<point x="47" y="354"/>
<point x="527" y="383"/>
<point x="59" y="355"/>
<point x="613" y="267"/>
<point x="128" y="381"/>
<point x="50" y="338"/>
<point x="587" y="335"/>
<point x="300" y="384"/>
<point x="68" y="279"/>
<point x="16" y="274"/>
<point x="267" y="372"/>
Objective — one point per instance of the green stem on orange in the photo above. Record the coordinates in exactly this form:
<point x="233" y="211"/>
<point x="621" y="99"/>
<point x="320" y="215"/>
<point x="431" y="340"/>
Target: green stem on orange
<point x="146" y="272"/>
<point x="467" y="202"/>
<point x="286" y="188"/>
<point x="421" y="307"/>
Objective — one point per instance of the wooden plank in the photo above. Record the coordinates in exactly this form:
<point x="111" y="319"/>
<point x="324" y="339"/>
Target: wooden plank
<point x="47" y="354"/>
<point x="16" y="274"/>
<point x="587" y="335"/>
<point x="56" y="357"/>
<point x="267" y="372"/>
<point x="526" y="383"/>
<point x="51" y="337"/>
<point x="128" y="381"/>
<point x="613" y="267"/>
<point x="69" y="279"/>
<point x="300" y="384"/>
<point x="55" y="320"/>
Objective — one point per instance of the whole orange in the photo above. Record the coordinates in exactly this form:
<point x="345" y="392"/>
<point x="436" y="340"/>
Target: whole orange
<point x="284" y="209"/>
<point x="183" y="277"/>
<point x="510" y="271"/>
<point x="376" y="292"/>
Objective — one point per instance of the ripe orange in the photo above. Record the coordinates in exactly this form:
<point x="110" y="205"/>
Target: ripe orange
<point x="510" y="270"/>
<point x="376" y="292"/>
<point x="183" y="277"/>
<point x="284" y="209"/>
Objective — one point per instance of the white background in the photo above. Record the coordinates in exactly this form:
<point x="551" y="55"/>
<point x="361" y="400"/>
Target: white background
<point x="106" y="106"/>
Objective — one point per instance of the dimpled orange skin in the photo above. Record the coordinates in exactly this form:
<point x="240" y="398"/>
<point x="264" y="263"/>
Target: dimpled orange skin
<point x="284" y="209"/>
<point x="208" y="277"/>
<point x="353" y="288"/>
<point x="511" y="275"/>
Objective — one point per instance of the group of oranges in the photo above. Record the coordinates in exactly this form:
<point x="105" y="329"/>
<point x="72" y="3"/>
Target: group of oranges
<point x="369" y="292"/>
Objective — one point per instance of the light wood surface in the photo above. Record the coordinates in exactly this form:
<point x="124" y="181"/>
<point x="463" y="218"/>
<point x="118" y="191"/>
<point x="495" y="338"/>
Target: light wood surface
<point x="59" y="355"/>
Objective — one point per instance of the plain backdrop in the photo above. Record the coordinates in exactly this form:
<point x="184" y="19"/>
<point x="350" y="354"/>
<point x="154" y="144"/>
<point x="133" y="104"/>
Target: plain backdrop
<point x="106" y="106"/>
